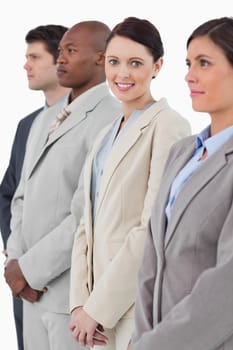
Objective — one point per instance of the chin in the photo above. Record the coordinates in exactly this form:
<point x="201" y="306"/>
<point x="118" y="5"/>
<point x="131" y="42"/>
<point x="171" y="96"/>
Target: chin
<point x="198" y="108"/>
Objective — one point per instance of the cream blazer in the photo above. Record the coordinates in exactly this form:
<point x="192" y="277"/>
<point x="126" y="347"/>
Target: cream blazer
<point x="105" y="260"/>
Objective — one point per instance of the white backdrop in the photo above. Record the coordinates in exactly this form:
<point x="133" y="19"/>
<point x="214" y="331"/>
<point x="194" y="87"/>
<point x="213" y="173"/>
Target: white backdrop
<point x="175" y="21"/>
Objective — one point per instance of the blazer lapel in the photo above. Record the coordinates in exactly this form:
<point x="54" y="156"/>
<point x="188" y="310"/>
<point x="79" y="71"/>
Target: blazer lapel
<point x="75" y="118"/>
<point x="122" y="147"/>
<point x="38" y="136"/>
<point x="194" y="185"/>
<point x="163" y="196"/>
<point x="82" y="105"/>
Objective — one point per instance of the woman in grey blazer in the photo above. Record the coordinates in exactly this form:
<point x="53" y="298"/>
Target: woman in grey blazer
<point x="185" y="289"/>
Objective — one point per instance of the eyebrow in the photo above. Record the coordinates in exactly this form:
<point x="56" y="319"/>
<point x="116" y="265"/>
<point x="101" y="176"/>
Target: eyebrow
<point x="200" y="56"/>
<point x="131" y="58"/>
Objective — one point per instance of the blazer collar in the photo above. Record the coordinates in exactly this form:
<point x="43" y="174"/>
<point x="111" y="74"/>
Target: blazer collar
<point x="195" y="184"/>
<point x="78" y="109"/>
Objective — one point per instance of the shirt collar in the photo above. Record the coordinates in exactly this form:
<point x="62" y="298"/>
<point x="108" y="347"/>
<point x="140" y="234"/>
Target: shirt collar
<point x="212" y="143"/>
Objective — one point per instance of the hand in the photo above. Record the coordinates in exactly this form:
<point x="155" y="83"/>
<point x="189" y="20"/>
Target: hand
<point x="4" y="252"/>
<point x="31" y="294"/>
<point x="129" y="347"/>
<point x="86" y="330"/>
<point x="14" y="277"/>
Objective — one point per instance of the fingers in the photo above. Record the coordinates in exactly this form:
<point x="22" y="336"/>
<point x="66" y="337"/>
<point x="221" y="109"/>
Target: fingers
<point x="75" y="332"/>
<point x="99" y="338"/>
<point x="82" y="338"/>
<point x="91" y="339"/>
<point x="30" y="294"/>
<point x="85" y="338"/>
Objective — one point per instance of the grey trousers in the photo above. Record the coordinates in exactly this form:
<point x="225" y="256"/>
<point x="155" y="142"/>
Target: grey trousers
<point x="46" y="330"/>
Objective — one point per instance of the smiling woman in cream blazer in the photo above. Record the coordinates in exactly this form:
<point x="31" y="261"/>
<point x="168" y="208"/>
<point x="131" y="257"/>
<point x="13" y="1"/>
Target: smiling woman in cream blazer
<point x="121" y="177"/>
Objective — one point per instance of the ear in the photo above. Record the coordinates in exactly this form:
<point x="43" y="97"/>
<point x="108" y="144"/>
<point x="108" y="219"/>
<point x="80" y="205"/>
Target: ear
<point x="100" y="58"/>
<point x="157" y="66"/>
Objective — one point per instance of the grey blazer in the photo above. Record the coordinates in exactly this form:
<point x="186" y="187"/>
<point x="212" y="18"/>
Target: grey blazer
<point x="43" y="217"/>
<point x="185" y="289"/>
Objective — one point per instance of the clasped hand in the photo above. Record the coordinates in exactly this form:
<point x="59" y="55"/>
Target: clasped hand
<point x="86" y="330"/>
<point x="18" y="284"/>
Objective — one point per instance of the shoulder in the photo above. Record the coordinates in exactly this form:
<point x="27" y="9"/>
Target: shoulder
<point x="169" y="114"/>
<point x="110" y="102"/>
<point x="179" y="146"/>
<point x="30" y="117"/>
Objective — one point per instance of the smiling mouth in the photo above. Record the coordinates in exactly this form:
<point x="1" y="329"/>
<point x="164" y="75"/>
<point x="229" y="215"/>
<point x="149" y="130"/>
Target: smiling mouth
<point x="124" y="86"/>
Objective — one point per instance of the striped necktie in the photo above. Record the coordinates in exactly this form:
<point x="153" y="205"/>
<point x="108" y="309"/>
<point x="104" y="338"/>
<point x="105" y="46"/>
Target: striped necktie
<point x="59" y="119"/>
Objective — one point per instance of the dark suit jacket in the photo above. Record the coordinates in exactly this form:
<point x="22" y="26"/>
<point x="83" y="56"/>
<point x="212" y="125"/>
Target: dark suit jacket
<point x="12" y="175"/>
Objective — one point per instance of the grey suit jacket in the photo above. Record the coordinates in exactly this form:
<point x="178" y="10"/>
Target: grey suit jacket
<point x="185" y="290"/>
<point x="43" y="217"/>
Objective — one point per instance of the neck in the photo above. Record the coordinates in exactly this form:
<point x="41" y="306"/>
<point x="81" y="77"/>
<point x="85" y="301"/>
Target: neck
<point x="77" y="91"/>
<point x="220" y="122"/>
<point x="55" y="95"/>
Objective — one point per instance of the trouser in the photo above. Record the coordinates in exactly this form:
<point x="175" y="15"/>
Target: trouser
<point x="46" y="330"/>
<point x="18" y="316"/>
<point x="119" y="336"/>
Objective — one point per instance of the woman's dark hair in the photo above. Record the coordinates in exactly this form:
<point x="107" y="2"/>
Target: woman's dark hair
<point x="220" y="31"/>
<point x="141" y="31"/>
<point x="50" y="35"/>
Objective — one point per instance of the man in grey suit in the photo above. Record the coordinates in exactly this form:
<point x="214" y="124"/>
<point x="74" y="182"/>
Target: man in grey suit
<point x="44" y="216"/>
<point x="41" y="55"/>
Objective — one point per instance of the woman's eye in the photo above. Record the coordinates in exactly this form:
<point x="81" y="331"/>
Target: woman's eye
<point x="204" y="63"/>
<point x="136" y="63"/>
<point x="113" y="62"/>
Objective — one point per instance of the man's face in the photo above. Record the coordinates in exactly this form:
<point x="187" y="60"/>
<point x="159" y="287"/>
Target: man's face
<point x="40" y="67"/>
<point x="77" y="60"/>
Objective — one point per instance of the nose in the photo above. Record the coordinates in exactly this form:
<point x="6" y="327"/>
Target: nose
<point x="190" y="76"/>
<point x="124" y="71"/>
<point x="61" y="57"/>
<point x="26" y="66"/>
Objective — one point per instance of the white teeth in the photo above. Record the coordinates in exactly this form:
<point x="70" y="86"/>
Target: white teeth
<point x="124" y="85"/>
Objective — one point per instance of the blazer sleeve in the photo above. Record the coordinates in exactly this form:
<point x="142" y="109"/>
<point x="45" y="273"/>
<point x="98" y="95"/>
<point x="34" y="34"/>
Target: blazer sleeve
<point x="145" y="289"/>
<point x="128" y="258"/>
<point x="203" y="319"/>
<point x="12" y="175"/>
<point x="7" y="190"/>
<point x="79" y="292"/>
<point x="56" y="258"/>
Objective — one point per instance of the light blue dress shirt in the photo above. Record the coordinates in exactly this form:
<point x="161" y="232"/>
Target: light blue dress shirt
<point x="111" y="138"/>
<point x="203" y="141"/>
